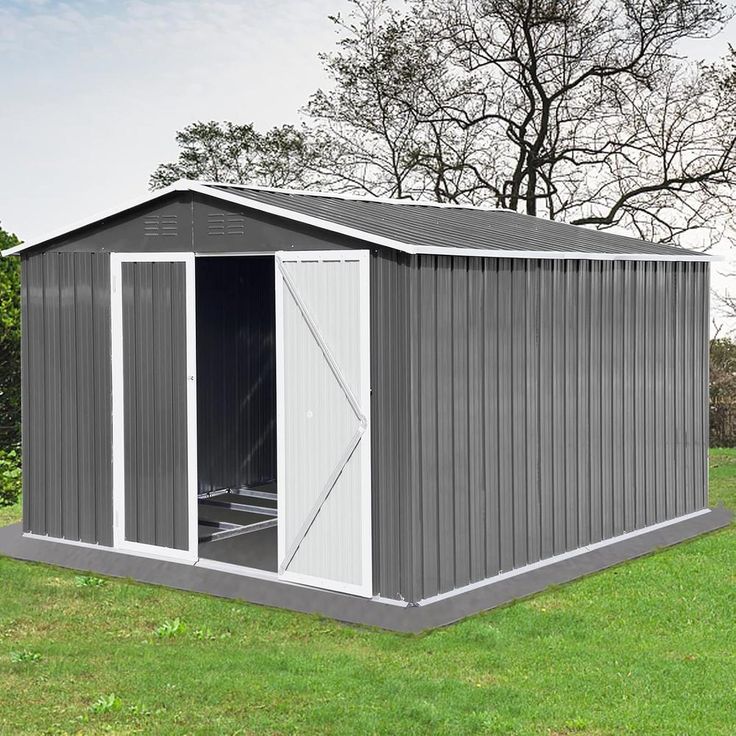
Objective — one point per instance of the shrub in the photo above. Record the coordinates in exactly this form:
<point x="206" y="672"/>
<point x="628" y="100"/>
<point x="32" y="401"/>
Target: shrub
<point x="9" y="345"/>
<point x="722" y="393"/>
<point x="10" y="476"/>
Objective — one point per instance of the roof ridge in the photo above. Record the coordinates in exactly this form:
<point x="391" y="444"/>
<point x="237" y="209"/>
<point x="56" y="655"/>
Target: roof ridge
<point x="349" y="197"/>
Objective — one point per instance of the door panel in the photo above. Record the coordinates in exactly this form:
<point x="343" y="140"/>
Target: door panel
<point x="323" y="419"/>
<point x="153" y="409"/>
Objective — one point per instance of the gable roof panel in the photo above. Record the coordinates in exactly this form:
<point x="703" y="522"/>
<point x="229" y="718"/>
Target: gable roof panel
<point x="422" y="227"/>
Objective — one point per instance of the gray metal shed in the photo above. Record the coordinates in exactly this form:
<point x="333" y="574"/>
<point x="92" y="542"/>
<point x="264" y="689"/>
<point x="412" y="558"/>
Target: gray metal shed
<point x="401" y="402"/>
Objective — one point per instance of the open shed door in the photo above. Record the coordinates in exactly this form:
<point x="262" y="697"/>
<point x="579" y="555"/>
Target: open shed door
<point x="154" y="404"/>
<point x="323" y="419"/>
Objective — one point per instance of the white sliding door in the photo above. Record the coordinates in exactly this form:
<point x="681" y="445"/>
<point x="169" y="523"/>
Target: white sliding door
<point x="323" y="419"/>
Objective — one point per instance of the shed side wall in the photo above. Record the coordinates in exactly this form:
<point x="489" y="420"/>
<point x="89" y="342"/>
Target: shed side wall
<point x="553" y="404"/>
<point x="66" y="388"/>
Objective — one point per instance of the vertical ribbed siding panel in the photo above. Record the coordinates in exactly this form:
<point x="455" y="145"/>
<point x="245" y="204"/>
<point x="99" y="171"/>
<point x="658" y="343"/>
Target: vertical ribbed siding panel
<point x="629" y="408"/>
<point x="34" y="452"/>
<point x="557" y="430"/>
<point x="702" y="401"/>
<point x="413" y="470"/>
<point x="546" y="422"/>
<point x="53" y="393"/>
<point x="677" y="450"/>
<point x="543" y="393"/>
<point x="639" y="393"/>
<point x="179" y="491"/>
<point x="395" y="553"/>
<point x="582" y="420"/>
<point x="531" y="419"/>
<point x="649" y="456"/>
<point x="427" y="428"/>
<point x="102" y="396"/>
<point x="84" y="385"/>
<point x="68" y="358"/>
<point x="518" y="397"/>
<point x="66" y="396"/>
<point x="617" y="328"/>
<point x="476" y="398"/>
<point x="688" y="295"/>
<point x="25" y="393"/>
<point x="445" y="480"/>
<point x="662" y="431"/>
<point x="504" y="418"/>
<point x="570" y="432"/>
<point x="492" y="430"/>
<point x="606" y="406"/>
<point x="595" y="378"/>
<point x="458" y="379"/>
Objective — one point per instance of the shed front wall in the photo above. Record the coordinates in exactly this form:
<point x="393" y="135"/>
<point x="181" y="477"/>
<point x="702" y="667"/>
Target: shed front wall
<point x="66" y="371"/>
<point x="549" y="405"/>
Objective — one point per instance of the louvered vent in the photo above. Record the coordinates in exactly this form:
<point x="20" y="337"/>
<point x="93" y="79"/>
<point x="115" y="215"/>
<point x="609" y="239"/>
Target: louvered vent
<point x="161" y="225"/>
<point x="218" y="223"/>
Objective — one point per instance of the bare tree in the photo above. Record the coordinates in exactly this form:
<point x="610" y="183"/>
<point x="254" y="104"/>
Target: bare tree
<point x="579" y="110"/>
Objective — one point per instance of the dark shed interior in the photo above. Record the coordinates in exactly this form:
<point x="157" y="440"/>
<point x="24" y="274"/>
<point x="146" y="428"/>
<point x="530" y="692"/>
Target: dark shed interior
<point x="236" y="409"/>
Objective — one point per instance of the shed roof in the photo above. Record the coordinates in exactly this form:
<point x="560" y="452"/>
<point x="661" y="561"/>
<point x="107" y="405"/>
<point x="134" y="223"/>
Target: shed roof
<point x="421" y="227"/>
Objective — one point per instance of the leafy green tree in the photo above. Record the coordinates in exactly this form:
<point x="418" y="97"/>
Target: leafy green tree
<point x="10" y="475"/>
<point x="9" y="344"/>
<point x="239" y="154"/>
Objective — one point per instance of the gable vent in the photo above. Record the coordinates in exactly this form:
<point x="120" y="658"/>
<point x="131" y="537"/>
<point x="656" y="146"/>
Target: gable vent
<point x="218" y="223"/>
<point x="161" y="225"/>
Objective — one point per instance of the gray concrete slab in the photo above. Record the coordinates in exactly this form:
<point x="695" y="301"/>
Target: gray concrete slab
<point x="352" y="609"/>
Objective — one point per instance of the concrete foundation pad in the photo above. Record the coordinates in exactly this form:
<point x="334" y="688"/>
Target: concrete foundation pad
<point x="265" y="589"/>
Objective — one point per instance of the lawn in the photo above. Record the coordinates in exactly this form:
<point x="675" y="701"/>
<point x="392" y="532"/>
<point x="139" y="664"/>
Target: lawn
<point x="645" y="648"/>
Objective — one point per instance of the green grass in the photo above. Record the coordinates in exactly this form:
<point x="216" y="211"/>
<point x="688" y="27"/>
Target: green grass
<point x="645" y="648"/>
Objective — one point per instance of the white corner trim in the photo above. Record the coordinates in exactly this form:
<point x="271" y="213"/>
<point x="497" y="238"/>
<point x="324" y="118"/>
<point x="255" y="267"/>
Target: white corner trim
<point x="561" y="557"/>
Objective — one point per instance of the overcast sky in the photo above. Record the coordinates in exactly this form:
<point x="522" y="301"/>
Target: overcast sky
<point x="92" y="91"/>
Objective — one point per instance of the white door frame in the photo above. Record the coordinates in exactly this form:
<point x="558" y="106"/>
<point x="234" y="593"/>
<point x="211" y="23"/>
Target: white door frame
<point x="363" y="257"/>
<point x="118" y="406"/>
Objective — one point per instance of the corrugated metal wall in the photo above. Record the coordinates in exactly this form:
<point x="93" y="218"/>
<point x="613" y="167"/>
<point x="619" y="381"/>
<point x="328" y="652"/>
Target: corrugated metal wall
<point x="67" y="471"/>
<point x="155" y="393"/>
<point x="236" y="372"/>
<point x="550" y="404"/>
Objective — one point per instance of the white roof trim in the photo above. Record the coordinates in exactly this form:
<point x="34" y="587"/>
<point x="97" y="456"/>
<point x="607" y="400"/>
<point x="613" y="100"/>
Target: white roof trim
<point x="208" y="190"/>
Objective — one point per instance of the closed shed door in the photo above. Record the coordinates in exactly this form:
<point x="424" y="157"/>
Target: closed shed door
<point x="323" y="422"/>
<point x="153" y="407"/>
